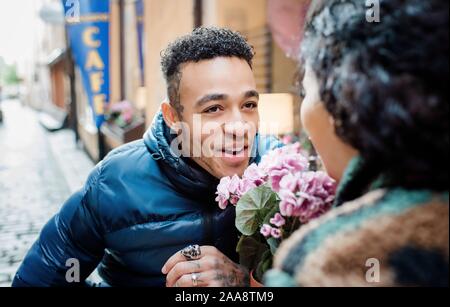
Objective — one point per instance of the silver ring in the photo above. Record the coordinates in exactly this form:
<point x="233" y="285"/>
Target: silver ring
<point x="194" y="278"/>
<point x="191" y="252"/>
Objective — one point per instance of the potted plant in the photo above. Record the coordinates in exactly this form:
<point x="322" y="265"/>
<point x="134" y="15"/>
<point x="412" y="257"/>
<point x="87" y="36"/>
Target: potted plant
<point x="123" y="124"/>
<point x="273" y="199"/>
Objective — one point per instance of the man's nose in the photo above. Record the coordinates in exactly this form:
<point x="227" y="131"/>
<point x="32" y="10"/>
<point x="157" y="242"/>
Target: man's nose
<point x="235" y="128"/>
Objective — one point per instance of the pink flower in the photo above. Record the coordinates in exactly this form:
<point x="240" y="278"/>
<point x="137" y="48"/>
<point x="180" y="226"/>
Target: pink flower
<point x="234" y="199"/>
<point x="278" y="220"/>
<point x="276" y="233"/>
<point x="223" y="192"/>
<point x="255" y="174"/>
<point x="223" y="202"/>
<point x="122" y="106"/>
<point x="295" y="163"/>
<point x="222" y="188"/>
<point x="288" y="203"/>
<point x="245" y="185"/>
<point x="233" y="185"/>
<point x="276" y="176"/>
<point x="287" y="209"/>
<point x="127" y="116"/>
<point x="282" y="161"/>
<point x="326" y="185"/>
<point x="289" y="182"/>
<point x="231" y="189"/>
<point x="266" y="230"/>
<point x="306" y="195"/>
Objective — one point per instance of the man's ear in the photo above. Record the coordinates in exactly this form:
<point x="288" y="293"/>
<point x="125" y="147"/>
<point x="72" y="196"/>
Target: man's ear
<point x="169" y="114"/>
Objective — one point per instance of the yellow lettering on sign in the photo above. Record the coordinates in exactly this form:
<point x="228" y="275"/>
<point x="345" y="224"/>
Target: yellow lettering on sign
<point x="96" y="81"/>
<point x="94" y="60"/>
<point x="99" y="103"/>
<point x="95" y="66"/>
<point x="88" y="38"/>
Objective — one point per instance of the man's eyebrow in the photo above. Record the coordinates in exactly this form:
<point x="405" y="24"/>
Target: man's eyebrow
<point x="210" y="97"/>
<point x="251" y="93"/>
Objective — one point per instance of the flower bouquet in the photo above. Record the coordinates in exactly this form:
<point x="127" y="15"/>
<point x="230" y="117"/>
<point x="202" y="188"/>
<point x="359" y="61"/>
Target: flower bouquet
<point x="272" y="200"/>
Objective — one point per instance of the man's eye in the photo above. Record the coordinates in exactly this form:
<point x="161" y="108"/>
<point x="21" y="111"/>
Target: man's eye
<point x="213" y="109"/>
<point x="250" y="105"/>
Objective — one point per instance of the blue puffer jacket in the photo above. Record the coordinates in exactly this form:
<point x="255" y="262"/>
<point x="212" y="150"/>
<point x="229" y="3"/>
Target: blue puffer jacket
<point x="139" y="206"/>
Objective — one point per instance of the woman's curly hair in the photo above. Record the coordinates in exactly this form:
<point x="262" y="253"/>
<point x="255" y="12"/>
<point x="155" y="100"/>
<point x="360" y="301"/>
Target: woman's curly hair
<point x="385" y="84"/>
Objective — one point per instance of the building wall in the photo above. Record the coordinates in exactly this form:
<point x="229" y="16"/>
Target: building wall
<point x="164" y="21"/>
<point x="47" y="37"/>
<point x="283" y="71"/>
<point x="131" y="52"/>
<point x="58" y="75"/>
<point x="115" y="93"/>
<point x="235" y="14"/>
<point x="284" y="78"/>
<point x="249" y="18"/>
<point x="86" y="127"/>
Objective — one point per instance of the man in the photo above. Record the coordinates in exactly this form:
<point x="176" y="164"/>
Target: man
<point x="144" y="203"/>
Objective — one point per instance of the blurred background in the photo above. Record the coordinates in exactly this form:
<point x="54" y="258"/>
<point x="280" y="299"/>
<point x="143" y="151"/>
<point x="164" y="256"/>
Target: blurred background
<point x="79" y="78"/>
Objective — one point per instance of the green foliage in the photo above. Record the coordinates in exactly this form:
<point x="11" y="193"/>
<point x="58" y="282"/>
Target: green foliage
<point x="253" y="208"/>
<point x="264" y="265"/>
<point x="250" y="249"/>
<point x="9" y="75"/>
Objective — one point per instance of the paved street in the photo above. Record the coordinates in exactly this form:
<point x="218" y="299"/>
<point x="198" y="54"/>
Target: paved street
<point x="38" y="172"/>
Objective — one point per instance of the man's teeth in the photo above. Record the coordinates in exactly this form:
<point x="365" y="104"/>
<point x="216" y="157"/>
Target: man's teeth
<point x="234" y="152"/>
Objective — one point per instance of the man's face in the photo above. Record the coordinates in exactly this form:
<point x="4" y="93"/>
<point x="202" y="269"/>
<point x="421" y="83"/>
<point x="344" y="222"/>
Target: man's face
<point x="220" y="108"/>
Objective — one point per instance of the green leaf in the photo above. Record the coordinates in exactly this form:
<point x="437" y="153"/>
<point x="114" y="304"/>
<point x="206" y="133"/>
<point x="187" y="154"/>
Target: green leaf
<point x="273" y="244"/>
<point x="250" y="250"/>
<point x="270" y="214"/>
<point x="253" y="207"/>
<point x="264" y="265"/>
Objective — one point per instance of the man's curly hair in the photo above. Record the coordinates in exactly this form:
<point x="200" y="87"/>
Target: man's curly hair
<point x="386" y="86"/>
<point x="203" y="43"/>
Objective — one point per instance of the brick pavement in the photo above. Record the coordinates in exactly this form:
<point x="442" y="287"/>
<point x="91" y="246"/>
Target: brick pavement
<point x="34" y="181"/>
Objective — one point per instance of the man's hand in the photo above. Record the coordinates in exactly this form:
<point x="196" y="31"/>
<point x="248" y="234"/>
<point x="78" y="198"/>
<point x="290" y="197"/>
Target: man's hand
<point x="213" y="269"/>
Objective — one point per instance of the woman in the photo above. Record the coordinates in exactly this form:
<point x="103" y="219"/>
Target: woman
<point x="376" y="109"/>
